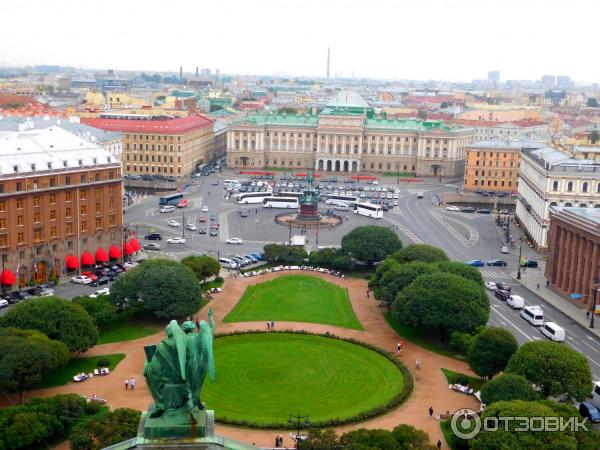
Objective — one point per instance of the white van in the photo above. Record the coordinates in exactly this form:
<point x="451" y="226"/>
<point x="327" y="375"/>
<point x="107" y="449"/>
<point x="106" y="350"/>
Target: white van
<point x="166" y="209"/>
<point x="516" y="301"/>
<point x="228" y="183"/>
<point x="228" y="263"/>
<point x="534" y="315"/>
<point x="553" y="332"/>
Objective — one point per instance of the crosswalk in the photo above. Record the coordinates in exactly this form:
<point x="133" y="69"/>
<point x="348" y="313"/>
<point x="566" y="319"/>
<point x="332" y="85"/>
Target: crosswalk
<point x="492" y="275"/>
<point x="412" y="236"/>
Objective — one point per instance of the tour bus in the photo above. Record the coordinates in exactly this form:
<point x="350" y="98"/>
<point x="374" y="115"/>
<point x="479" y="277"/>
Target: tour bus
<point x="341" y="199"/>
<point x="369" y="210"/>
<point x="253" y="197"/>
<point x="289" y="194"/>
<point x="170" y="199"/>
<point x="533" y="314"/>
<point x="281" y="202"/>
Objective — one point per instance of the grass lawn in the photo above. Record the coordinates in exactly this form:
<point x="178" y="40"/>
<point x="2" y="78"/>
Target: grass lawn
<point x="475" y="382"/>
<point x="77" y="365"/>
<point x="296" y="298"/>
<point x="423" y="338"/>
<point x="127" y="327"/>
<point x="263" y="377"/>
<point x="211" y="284"/>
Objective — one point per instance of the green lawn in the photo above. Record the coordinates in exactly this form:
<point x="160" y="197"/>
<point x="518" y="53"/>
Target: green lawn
<point x="127" y="327"/>
<point x="423" y="338"/>
<point x="264" y="377"/>
<point x="296" y="298"/>
<point x="475" y="382"/>
<point x="78" y="365"/>
<point x="211" y="284"/>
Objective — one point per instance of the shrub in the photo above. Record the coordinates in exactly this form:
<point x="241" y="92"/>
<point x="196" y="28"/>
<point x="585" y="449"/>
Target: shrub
<point x="103" y="362"/>
<point x="106" y="430"/>
<point x="370" y="243"/>
<point x="420" y="252"/>
<point x="92" y="408"/>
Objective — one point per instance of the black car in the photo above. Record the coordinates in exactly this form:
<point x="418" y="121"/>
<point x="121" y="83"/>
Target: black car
<point x="497" y="263"/>
<point x="215" y="183"/>
<point x="468" y="209"/>
<point x="19" y="295"/>
<point x="9" y="298"/>
<point x="502" y="294"/>
<point x="484" y="211"/>
<point x="530" y="264"/>
<point x="202" y="230"/>
<point x="244" y="213"/>
<point x="100" y="281"/>
<point x="153" y="237"/>
<point x="501" y="285"/>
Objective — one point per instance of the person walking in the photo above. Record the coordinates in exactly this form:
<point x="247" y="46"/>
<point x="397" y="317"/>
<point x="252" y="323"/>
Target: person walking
<point x="126" y="384"/>
<point x="439" y="444"/>
<point x="399" y="347"/>
<point x="268" y="326"/>
<point x="367" y="293"/>
<point x="418" y="364"/>
<point x="430" y="412"/>
<point x="132" y="383"/>
<point x="272" y="324"/>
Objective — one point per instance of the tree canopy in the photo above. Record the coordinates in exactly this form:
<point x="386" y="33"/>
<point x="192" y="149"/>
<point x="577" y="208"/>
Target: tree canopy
<point x="506" y="387"/>
<point x="100" y="308"/>
<point x="443" y="302"/>
<point x="460" y="269"/>
<point x="382" y="268"/>
<point x="402" y="437"/>
<point x="420" y="252"/>
<point x="370" y="243"/>
<point x="332" y="258"/>
<point x="106" y="430"/>
<point x="203" y="266"/>
<point x="165" y="288"/>
<point x="491" y="350"/>
<point x="557" y="369"/>
<point x="58" y="319"/>
<point x="397" y="278"/>
<point x="592" y="102"/>
<point x="284" y="254"/>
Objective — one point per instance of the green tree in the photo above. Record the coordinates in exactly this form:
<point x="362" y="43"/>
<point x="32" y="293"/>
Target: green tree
<point x="491" y="350"/>
<point x="420" y="252"/>
<point x="321" y="439"/>
<point x="108" y="429"/>
<point x="555" y="368"/>
<point x="460" y="269"/>
<point x="369" y="439"/>
<point x="506" y="387"/>
<point x="100" y="309"/>
<point x="332" y="258"/>
<point x="592" y="102"/>
<point x="284" y="254"/>
<point x="203" y="266"/>
<point x="288" y="110"/>
<point x="397" y="278"/>
<point x="508" y="439"/>
<point x="409" y="437"/>
<point x="58" y="319"/>
<point x="370" y="243"/>
<point x="443" y="302"/>
<point x="165" y="288"/>
<point x="382" y="268"/>
<point x="586" y="439"/>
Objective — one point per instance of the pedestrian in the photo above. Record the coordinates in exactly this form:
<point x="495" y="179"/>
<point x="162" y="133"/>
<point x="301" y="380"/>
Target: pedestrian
<point x="276" y="441"/>
<point x="256" y="210"/>
<point x="367" y="293"/>
<point x="418" y="364"/>
<point x="547" y="283"/>
<point x="439" y="444"/>
<point x="132" y="383"/>
<point x="430" y="412"/>
<point x="587" y="314"/>
<point x="126" y="384"/>
<point x="399" y="347"/>
<point x="272" y="324"/>
<point x="538" y="285"/>
<point x="268" y="326"/>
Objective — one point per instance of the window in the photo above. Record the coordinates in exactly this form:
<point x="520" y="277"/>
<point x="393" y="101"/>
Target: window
<point x="68" y="196"/>
<point x="98" y="222"/>
<point x="53" y="232"/>
<point x="19" y="186"/>
<point x="98" y="207"/>
<point x="20" y="237"/>
<point x="83" y="225"/>
<point x="3" y="204"/>
<point x="2" y="222"/>
<point x="53" y="214"/>
<point x="68" y="213"/>
<point x="555" y="186"/>
<point x="83" y="195"/>
<point x="19" y="203"/>
<point x="82" y="178"/>
<point x="97" y="191"/>
<point x="37" y="235"/>
<point x="36" y="200"/>
<point x="53" y="182"/>
<point x="37" y="218"/>
<point x="67" y="180"/>
<point x="97" y="175"/>
<point x="69" y="229"/>
<point x="4" y="241"/>
<point x="112" y="220"/>
<point x="83" y="210"/>
<point x="570" y="186"/>
<point x="584" y="187"/>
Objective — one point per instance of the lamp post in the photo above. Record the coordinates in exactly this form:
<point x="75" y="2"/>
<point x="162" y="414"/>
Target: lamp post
<point x="519" y="261"/>
<point x="594" y="305"/>
<point x="301" y="422"/>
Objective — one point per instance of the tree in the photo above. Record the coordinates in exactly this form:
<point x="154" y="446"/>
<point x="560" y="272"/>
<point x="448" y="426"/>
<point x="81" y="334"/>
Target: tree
<point x="106" y="430"/>
<point x="284" y="254"/>
<point x="100" y="309"/>
<point x="508" y="438"/>
<point x="165" y="288"/>
<point x="557" y="369"/>
<point x="592" y="102"/>
<point x="506" y="387"/>
<point x="58" y="319"/>
<point x="397" y="278"/>
<point x="443" y="301"/>
<point x="460" y="269"/>
<point x="491" y="350"/>
<point x="369" y="439"/>
<point x="410" y="437"/>
<point x="420" y="252"/>
<point x="321" y="439"/>
<point x="288" y="110"/>
<point x="26" y="355"/>
<point x="332" y="258"/>
<point x="370" y="243"/>
<point x="203" y="266"/>
<point x="386" y="265"/>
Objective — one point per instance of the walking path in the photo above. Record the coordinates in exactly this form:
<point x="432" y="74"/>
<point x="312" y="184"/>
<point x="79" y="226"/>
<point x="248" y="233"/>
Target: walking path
<point x="431" y="387"/>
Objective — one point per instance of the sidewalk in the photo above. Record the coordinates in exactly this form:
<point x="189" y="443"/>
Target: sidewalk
<point x="530" y="280"/>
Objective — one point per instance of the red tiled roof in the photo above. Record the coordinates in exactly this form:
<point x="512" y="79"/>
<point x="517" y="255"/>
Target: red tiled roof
<point x="478" y="123"/>
<point x="179" y="125"/>
<point x="528" y="123"/>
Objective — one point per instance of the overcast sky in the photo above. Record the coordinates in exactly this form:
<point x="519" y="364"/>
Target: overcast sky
<point x="402" y="39"/>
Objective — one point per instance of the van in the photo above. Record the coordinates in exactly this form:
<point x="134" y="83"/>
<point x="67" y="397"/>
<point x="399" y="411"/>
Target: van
<point x="553" y="332"/>
<point x="516" y="301"/>
<point x="420" y="195"/>
<point x="228" y="263"/>
<point x="534" y="315"/>
<point x="166" y="209"/>
<point x="229" y="183"/>
<point x="341" y="208"/>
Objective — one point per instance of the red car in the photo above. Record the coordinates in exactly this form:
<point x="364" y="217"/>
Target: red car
<point x="214" y="226"/>
<point x="182" y="203"/>
<point x="202" y="219"/>
<point x="90" y="275"/>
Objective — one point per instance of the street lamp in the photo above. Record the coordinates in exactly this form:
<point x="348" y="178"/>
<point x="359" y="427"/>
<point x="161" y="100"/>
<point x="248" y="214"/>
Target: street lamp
<point x="301" y="422"/>
<point x="594" y="305"/>
<point x="519" y="261"/>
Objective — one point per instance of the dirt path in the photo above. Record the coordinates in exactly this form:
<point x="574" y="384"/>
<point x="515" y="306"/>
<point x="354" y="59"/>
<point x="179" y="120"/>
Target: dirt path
<point x="431" y="387"/>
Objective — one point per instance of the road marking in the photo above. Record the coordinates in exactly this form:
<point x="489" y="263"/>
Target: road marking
<point x="496" y="307"/>
<point x="493" y="274"/>
<point x="224" y="228"/>
<point x="412" y="236"/>
<point x="443" y="220"/>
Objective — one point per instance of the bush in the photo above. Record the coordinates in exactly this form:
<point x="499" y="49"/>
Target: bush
<point x="92" y="408"/>
<point x="460" y="269"/>
<point x="332" y="258"/>
<point x="101" y="309"/>
<point x="284" y="254"/>
<point x="109" y="429"/>
<point x="506" y="387"/>
<point x="420" y="252"/>
<point x="219" y="279"/>
<point x="490" y="351"/>
<point x="462" y="342"/>
<point x="103" y="362"/>
<point x="370" y="243"/>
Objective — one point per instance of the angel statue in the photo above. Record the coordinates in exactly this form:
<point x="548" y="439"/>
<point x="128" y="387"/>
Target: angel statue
<point x="175" y="368"/>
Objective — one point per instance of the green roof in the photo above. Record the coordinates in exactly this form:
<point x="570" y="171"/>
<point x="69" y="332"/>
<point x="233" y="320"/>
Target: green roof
<point x="412" y="125"/>
<point x="298" y="120"/>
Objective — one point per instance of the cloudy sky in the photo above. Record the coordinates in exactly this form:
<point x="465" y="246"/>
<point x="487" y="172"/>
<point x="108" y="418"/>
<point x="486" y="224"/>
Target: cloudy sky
<point x="402" y="39"/>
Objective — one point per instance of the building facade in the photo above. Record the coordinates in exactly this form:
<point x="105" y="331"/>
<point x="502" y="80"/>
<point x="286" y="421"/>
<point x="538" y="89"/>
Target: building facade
<point x="574" y="252"/>
<point x="550" y="178"/>
<point x="521" y="130"/>
<point x="60" y="204"/>
<point x="160" y="145"/>
<point x="346" y="137"/>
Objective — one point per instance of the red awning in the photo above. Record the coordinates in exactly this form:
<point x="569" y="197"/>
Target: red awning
<point x="127" y="248"/>
<point x="135" y="244"/>
<point x="71" y="262"/>
<point x="114" y="252"/>
<point x="7" y="277"/>
<point x="87" y="259"/>
<point x="101" y="255"/>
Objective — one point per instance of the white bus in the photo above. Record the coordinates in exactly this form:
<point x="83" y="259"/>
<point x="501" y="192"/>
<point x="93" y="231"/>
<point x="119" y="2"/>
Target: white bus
<point x="289" y="194"/>
<point x="369" y="210"/>
<point x="252" y="197"/>
<point x="341" y="199"/>
<point x="281" y="202"/>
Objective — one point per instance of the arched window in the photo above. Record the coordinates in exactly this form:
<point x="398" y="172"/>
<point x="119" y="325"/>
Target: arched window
<point x="553" y="204"/>
<point x="597" y="206"/>
<point x="570" y="186"/>
<point x="567" y="205"/>
<point x="583" y="205"/>
<point x="584" y="187"/>
<point x="555" y="186"/>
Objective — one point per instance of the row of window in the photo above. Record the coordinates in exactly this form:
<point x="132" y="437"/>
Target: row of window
<point x="36" y="183"/>
<point x="290" y="163"/>
<point x="292" y="135"/>
<point x="152" y="169"/>
<point x="570" y="186"/>
<point x="504" y="155"/>
<point x="20" y="219"/>
<point x="150" y="148"/>
<point x="496" y="163"/>
<point x="149" y="137"/>
<point x="151" y="158"/>
<point x="495" y="183"/>
<point x="494" y="173"/>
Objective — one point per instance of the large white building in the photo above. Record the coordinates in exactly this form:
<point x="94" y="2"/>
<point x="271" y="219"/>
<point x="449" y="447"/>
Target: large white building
<point x="551" y="178"/>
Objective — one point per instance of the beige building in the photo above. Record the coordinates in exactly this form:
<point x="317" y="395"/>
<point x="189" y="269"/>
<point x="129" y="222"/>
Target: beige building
<point x="347" y="137"/>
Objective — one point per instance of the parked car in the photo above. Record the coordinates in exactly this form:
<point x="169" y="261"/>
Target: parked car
<point x="530" y="264"/>
<point x="202" y="219"/>
<point x="257" y="255"/>
<point x="19" y="296"/>
<point x="166" y="209"/>
<point x="484" y="211"/>
<point x="191" y="227"/>
<point x="503" y="211"/>
<point x="589" y="410"/>
<point x="502" y="294"/>
<point x="45" y="292"/>
<point x="244" y="213"/>
<point x="3" y="303"/>
<point x="468" y="209"/>
<point x="183" y="203"/>
<point x="235" y="241"/>
<point x="476" y="263"/>
<point x="214" y="217"/>
<point x="491" y="286"/>
<point x="202" y="230"/>
<point x="152" y="246"/>
<point x="90" y="275"/>
<point x="516" y="302"/>
<point x="496" y="263"/>
<point x="81" y="279"/>
<point x="176" y="240"/>
<point x="130" y="265"/>
<point x="205" y="208"/>
<point x="553" y="332"/>
<point x="452" y="208"/>
<point x="153" y="237"/>
<point x="173" y="223"/>
<point x="214" y="232"/>
<point x="100" y="281"/>
<point x="504" y="249"/>
<point x="504" y="286"/>
<point x="98" y="293"/>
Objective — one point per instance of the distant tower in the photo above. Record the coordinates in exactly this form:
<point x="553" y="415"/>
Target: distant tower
<point x="328" y="60"/>
<point x="181" y="75"/>
<point x="196" y="71"/>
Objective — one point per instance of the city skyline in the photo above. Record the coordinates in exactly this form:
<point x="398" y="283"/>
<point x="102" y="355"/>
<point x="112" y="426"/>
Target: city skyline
<point x="435" y="40"/>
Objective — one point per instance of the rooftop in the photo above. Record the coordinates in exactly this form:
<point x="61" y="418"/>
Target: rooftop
<point x="347" y="99"/>
<point x="17" y="123"/>
<point x="505" y="145"/>
<point x="146" y="124"/>
<point x="554" y="160"/>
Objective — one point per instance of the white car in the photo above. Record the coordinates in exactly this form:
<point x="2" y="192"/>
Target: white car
<point x="504" y="249"/>
<point x="490" y="285"/>
<point x="176" y="240"/>
<point x="191" y="227"/>
<point x="205" y="208"/>
<point x="237" y="241"/>
<point x="81" y="279"/>
<point x="3" y="303"/>
<point x="105" y="291"/>
<point x="452" y="208"/>
<point x="173" y="223"/>
<point x="130" y="264"/>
